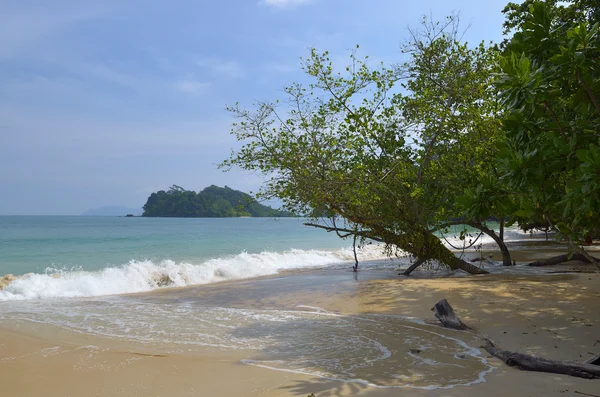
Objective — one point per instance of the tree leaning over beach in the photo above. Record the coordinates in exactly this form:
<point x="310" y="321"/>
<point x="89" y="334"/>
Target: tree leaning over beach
<point x="382" y="152"/>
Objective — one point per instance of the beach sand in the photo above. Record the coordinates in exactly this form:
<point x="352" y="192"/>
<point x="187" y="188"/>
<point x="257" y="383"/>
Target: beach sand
<point x="555" y="316"/>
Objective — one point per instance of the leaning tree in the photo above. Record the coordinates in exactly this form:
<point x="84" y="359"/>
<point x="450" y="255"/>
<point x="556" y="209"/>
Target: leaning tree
<point x="383" y="152"/>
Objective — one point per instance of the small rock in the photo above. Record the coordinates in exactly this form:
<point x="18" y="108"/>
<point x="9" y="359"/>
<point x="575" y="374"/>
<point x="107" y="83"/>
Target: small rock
<point x="415" y="351"/>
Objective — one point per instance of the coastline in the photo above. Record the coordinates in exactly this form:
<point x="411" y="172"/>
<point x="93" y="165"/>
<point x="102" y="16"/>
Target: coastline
<point x="554" y="316"/>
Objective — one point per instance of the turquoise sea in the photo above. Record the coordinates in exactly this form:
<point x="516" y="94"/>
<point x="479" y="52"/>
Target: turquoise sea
<point x="69" y="256"/>
<point x="80" y="277"/>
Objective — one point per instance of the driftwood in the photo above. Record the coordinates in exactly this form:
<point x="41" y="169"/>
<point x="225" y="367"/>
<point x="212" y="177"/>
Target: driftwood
<point x="444" y="312"/>
<point x="555" y="260"/>
<point x="589" y="369"/>
<point x="594" y="360"/>
<point x="526" y="362"/>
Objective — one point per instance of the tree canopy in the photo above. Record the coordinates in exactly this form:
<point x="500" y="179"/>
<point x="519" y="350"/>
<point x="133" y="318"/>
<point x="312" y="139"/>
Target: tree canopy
<point x="383" y="149"/>
<point x="550" y="87"/>
<point x="212" y="202"/>
<point x="455" y="134"/>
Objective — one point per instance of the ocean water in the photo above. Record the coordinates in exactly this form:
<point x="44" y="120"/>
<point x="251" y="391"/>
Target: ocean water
<point x="74" y="256"/>
<point x="383" y="351"/>
<point x="77" y="275"/>
<point x="62" y="256"/>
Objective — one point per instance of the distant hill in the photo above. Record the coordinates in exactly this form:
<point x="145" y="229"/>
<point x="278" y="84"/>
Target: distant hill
<point x="112" y="211"/>
<point x="212" y="202"/>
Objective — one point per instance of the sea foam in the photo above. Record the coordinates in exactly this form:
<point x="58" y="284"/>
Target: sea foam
<point x="146" y="275"/>
<point x="476" y="239"/>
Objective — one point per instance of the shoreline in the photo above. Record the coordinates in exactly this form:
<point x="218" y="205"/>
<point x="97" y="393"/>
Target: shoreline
<point x="167" y="274"/>
<point x="555" y="316"/>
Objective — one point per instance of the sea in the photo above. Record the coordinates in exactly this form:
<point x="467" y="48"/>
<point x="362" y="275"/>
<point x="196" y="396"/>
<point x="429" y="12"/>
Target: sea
<point x="77" y="256"/>
<point x="142" y="281"/>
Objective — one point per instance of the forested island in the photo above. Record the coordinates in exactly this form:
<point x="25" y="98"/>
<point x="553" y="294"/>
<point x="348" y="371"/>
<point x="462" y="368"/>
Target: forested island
<point x="212" y="202"/>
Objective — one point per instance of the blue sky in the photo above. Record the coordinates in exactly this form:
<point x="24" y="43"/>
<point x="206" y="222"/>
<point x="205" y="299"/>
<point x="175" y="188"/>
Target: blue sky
<point x="104" y="102"/>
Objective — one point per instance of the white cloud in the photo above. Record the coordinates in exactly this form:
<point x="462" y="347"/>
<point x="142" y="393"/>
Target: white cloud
<point x="285" y="3"/>
<point x="189" y="86"/>
<point x="230" y="69"/>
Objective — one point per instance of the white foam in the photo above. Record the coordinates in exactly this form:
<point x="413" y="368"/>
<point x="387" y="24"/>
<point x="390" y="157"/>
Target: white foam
<point x="147" y="275"/>
<point x="476" y="239"/>
<point x="324" y="344"/>
<point x="474" y="353"/>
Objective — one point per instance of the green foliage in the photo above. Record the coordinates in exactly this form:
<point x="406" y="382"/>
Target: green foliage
<point x="387" y="149"/>
<point x="569" y="13"/>
<point x="550" y="85"/>
<point x="212" y="202"/>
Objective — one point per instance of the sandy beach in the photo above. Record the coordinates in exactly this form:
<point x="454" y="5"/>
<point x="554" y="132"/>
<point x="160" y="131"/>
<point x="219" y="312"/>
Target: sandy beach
<point x="555" y="316"/>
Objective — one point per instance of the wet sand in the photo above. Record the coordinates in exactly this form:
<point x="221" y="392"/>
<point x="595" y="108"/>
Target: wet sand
<point x="555" y="316"/>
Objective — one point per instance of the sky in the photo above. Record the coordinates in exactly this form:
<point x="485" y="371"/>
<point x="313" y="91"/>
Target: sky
<point x="103" y="102"/>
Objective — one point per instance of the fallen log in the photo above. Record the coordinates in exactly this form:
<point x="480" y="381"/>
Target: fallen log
<point x="526" y="362"/>
<point x="588" y="370"/>
<point x="555" y="260"/>
<point x="594" y="360"/>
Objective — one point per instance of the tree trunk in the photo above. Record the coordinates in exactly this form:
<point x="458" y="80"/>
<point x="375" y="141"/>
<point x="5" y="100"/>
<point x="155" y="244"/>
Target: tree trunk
<point x="355" y="267"/>
<point x="429" y="245"/>
<point x="555" y="260"/>
<point x="506" y="258"/>
<point x="412" y="267"/>
<point x="431" y="249"/>
<point x="449" y="319"/>
<point x="466" y="266"/>
<point x="444" y="312"/>
<point x="589" y="258"/>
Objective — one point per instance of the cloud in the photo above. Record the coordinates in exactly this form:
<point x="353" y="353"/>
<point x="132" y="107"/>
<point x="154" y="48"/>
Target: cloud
<point x="217" y="65"/>
<point x="190" y="86"/>
<point x="285" y="3"/>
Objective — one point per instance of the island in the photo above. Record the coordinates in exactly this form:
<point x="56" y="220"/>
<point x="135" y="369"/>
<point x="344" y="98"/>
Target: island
<point x="211" y="202"/>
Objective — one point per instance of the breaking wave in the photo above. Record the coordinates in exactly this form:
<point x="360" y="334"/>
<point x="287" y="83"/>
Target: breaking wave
<point x="146" y="275"/>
